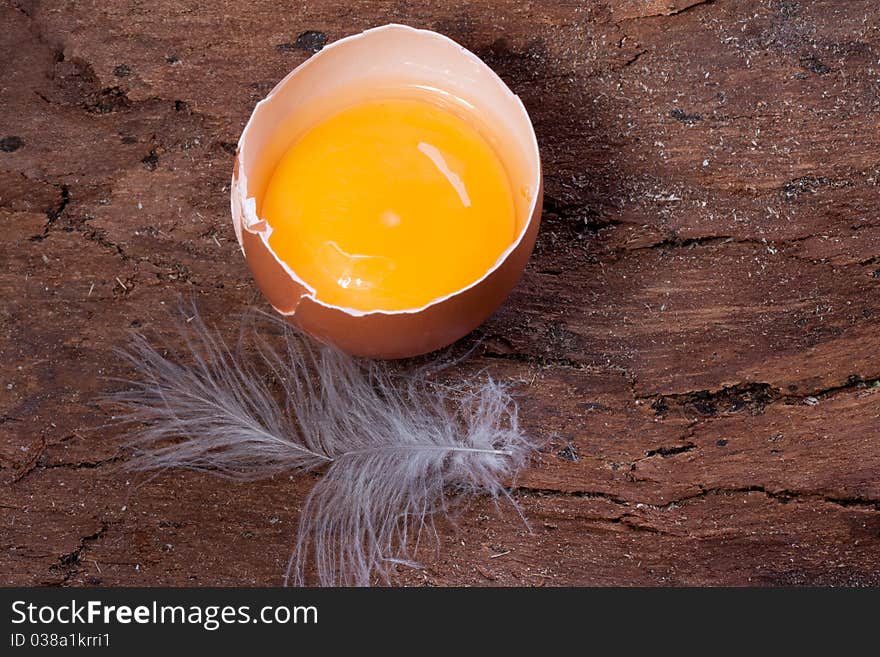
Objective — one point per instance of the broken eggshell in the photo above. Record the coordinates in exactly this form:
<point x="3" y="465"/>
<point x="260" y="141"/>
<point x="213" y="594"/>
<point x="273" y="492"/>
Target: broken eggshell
<point x="390" y="54"/>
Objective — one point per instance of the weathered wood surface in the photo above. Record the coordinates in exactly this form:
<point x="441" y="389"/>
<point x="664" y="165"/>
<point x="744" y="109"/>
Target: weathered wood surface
<point x="696" y="336"/>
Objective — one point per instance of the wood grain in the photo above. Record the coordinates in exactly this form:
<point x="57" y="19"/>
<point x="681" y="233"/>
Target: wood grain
<point x="695" y="340"/>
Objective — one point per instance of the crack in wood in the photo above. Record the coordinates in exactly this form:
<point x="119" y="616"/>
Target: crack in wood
<point x="670" y="451"/>
<point x="656" y="8"/>
<point x="753" y="397"/>
<point x="783" y="496"/>
<point x="68" y="563"/>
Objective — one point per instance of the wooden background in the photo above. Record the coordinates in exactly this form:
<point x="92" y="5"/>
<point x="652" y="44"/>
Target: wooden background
<point x="695" y="338"/>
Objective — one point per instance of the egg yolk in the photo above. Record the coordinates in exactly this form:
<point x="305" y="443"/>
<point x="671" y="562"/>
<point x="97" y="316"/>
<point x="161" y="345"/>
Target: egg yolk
<point x="389" y="205"/>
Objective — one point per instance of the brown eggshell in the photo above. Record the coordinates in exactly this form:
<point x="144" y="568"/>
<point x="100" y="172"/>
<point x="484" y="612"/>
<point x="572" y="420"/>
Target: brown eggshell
<point x="411" y="56"/>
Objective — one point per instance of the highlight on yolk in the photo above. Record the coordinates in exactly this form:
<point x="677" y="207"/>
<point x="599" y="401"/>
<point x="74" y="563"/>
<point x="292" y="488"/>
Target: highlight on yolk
<point x="389" y="205"/>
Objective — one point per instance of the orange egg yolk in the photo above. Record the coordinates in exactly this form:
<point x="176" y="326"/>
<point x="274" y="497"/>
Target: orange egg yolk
<point x="389" y="205"/>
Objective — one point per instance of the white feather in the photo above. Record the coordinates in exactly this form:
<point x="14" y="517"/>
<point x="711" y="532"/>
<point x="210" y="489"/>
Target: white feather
<point x="394" y="445"/>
